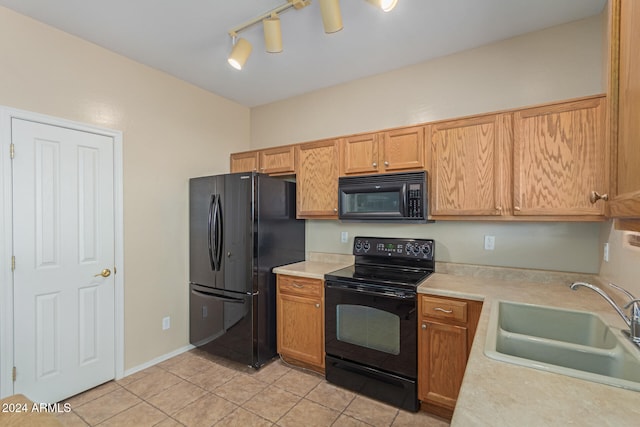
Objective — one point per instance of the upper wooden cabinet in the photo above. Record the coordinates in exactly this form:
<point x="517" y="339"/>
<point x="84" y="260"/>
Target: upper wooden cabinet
<point x="624" y="88"/>
<point x="244" y="162"/>
<point x="560" y="158"/>
<point x="278" y="160"/>
<point x="383" y="152"/>
<point x="317" y="180"/>
<point x="272" y="161"/>
<point x="470" y="166"/>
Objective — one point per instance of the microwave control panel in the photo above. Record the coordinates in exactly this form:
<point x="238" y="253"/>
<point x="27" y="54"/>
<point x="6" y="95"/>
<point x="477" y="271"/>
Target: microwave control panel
<point x="392" y="247"/>
<point x="415" y="201"/>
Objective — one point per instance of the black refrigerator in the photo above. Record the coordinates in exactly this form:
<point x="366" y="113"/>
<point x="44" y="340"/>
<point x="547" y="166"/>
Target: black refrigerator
<point x="241" y="226"/>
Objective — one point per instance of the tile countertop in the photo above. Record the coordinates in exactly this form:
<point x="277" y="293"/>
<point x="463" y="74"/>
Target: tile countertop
<point x="496" y="393"/>
<point x="316" y="266"/>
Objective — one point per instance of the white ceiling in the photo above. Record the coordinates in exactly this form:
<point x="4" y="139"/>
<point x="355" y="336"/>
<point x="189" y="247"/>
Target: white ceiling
<point x="188" y="38"/>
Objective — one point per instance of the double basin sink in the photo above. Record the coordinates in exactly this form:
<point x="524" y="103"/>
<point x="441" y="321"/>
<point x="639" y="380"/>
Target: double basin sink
<point x="574" y="343"/>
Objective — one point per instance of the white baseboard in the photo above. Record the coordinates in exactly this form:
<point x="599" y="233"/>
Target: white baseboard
<point x="157" y="360"/>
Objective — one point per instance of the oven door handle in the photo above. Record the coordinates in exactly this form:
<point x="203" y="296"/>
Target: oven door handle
<point x="360" y="290"/>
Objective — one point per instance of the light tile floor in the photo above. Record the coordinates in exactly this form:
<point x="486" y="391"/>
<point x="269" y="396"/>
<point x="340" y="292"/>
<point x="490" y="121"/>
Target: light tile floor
<point x="195" y="389"/>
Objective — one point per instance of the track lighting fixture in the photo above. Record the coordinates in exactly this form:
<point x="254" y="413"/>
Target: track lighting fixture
<point x="331" y="16"/>
<point x="240" y="53"/>
<point x="272" y="34"/>
<point x="385" y="5"/>
<point x="331" y="21"/>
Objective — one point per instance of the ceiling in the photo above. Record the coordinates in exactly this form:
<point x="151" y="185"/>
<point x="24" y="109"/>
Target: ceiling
<point x="189" y="38"/>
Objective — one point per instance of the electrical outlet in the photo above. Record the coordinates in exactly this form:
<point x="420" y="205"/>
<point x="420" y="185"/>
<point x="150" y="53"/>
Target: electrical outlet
<point x="489" y="243"/>
<point x="605" y="256"/>
<point x="166" y="323"/>
<point x="344" y="236"/>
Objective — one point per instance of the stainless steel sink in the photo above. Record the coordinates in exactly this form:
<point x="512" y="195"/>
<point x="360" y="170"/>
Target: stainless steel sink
<point x="573" y="343"/>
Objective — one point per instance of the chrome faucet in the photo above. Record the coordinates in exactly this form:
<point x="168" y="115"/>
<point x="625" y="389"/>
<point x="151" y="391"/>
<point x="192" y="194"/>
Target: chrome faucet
<point x="632" y="321"/>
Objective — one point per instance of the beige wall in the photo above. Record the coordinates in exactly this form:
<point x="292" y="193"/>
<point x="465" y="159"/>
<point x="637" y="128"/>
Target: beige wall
<point x="623" y="267"/>
<point x="171" y="131"/>
<point x="558" y="63"/>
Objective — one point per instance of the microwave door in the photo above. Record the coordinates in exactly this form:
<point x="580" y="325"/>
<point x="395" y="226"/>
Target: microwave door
<point x="373" y="201"/>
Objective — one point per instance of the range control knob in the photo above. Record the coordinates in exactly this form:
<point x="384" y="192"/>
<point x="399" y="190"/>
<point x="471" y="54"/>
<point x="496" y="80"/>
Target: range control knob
<point x="426" y="249"/>
<point x="358" y="245"/>
<point x="366" y="246"/>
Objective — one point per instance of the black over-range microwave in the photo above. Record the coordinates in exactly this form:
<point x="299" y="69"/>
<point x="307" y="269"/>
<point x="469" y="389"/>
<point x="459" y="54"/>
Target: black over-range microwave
<point x="398" y="197"/>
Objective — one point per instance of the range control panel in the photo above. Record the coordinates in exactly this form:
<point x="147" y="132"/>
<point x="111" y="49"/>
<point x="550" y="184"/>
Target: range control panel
<point x="394" y="247"/>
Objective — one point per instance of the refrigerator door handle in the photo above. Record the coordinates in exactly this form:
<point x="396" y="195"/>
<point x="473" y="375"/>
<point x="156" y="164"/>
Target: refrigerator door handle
<point x="218" y="296"/>
<point x="218" y="227"/>
<point x="210" y="225"/>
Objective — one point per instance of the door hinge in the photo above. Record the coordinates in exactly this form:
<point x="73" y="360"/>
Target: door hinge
<point x="12" y="150"/>
<point x="14" y="373"/>
<point x="13" y="263"/>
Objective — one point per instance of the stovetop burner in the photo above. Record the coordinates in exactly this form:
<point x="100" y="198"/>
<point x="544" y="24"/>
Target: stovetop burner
<point x="390" y="262"/>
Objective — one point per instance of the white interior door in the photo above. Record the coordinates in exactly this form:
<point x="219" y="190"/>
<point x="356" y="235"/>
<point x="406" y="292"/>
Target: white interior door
<point x="63" y="239"/>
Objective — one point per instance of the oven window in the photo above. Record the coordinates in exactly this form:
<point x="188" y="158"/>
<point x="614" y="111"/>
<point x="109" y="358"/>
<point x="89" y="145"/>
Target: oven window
<point x="388" y="201"/>
<point x="368" y="327"/>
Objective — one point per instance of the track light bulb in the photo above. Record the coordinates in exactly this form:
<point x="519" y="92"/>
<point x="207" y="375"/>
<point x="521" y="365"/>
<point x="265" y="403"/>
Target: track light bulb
<point x="331" y="16"/>
<point x="272" y="34"/>
<point x="385" y="5"/>
<point x="239" y="54"/>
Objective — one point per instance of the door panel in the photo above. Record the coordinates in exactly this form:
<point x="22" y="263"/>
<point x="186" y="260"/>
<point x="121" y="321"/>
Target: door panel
<point x="202" y="198"/>
<point x="237" y="226"/>
<point x="63" y="237"/>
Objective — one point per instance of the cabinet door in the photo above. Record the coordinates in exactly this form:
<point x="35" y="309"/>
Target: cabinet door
<point x="560" y="157"/>
<point x="359" y="154"/>
<point x="244" y="162"/>
<point x="403" y="149"/>
<point x="626" y="200"/>
<point x="469" y="175"/>
<point x="301" y="328"/>
<point x="278" y="161"/>
<point x="442" y="359"/>
<point x="317" y="180"/>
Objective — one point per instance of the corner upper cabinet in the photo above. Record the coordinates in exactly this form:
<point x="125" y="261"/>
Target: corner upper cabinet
<point x="560" y="158"/>
<point x="624" y="88"/>
<point x="317" y="180"/>
<point x="470" y="166"/>
<point x="244" y="162"/>
<point x="383" y="152"/>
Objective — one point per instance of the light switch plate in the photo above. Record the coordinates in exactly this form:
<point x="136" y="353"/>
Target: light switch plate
<point x="489" y="243"/>
<point x="344" y="236"/>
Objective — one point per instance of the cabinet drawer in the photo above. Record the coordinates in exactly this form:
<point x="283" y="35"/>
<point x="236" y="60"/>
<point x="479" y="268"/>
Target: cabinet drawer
<point x="441" y="308"/>
<point x="303" y="286"/>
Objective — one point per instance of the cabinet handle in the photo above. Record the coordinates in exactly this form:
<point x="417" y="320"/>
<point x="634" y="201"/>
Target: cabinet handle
<point x="443" y="310"/>
<point x="295" y="285"/>
<point x="595" y="196"/>
<point x="374" y="164"/>
<point x="516" y="208"/>
<point x="424" y="326"/>
<point x="386" y="163"/>
<point x="317" y="305"/>
<point x="498" y="208"/>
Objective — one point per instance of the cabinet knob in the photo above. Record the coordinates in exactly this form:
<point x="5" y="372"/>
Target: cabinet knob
<point x="595" y="196"/>
<point x="498" y="208"/>
<point x="386" y="163"/>
<point x="516" y="208"/>
<point x="424" y="326"/>
<point x="335" y="209"/>
<point x="317" y="305"/>
<point x="374" y="164"/>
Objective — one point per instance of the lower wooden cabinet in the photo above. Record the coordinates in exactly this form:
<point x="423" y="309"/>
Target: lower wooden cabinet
<point x="300" y="320"/>
<point x="446" y="327"/>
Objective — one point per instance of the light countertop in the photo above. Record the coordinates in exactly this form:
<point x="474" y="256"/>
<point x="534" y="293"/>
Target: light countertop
<point x="317" y="265"/>
<point x="496" y="393"/>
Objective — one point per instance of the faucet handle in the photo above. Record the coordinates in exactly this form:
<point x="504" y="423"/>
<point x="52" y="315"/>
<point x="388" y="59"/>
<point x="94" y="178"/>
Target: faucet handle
<point x="624" y="291"/>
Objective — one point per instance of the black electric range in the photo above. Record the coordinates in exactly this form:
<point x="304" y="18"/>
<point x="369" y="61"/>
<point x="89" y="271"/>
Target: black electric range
<point x="371" y="319"/>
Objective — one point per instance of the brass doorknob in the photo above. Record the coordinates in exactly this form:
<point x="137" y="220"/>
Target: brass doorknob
<point x="104" y="273"/>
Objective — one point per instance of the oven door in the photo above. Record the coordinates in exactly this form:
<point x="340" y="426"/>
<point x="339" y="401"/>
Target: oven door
<point x="371" y="327"/>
